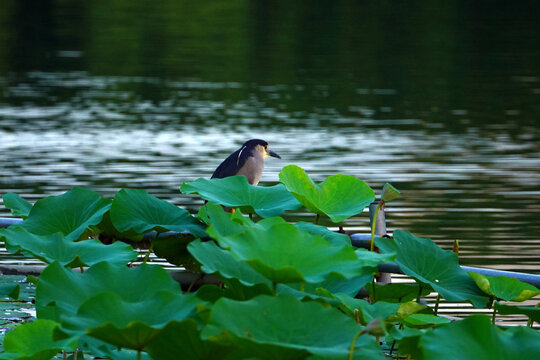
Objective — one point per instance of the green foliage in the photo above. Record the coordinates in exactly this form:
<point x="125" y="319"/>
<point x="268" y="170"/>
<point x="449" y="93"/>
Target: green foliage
<point x="18" y="206"/>
<point x="75" y="214"/>
<point x="287" y="291"/>
<point x="283" y="327"/>
<point x="422" y="259"/>
<point x="505" y="288"/>
<point x="35" y="341"/>
<point x="236" y="192"/>
<point x="475" y="338"/>
<point x="339" y="196"/>
<point x="134" y="209"/>
<point x="10" y="290"/>
<point x="55" y="247"/>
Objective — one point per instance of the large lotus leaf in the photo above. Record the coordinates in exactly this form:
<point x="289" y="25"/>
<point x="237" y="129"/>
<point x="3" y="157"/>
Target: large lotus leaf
<point x="423" y="260"/>
<point x="217" y="260"/>
<point x="182" y="340"/>
<point x="35" y="341"/>
<point x="51" y="248"/>
<point x="339" y="196"/>
<point x="100" y="349"/>
<point x="75" y="214"/>
<point x="65" y="290"/>
<point x="475" y="338"/>
<point x="284" y="253"/>
<point x="127" y="324"/>
<point x="236" y="192"/>
<point x="283" y="327"/>
<point x="503" y="287"/>
<point x="532" y="312"/>
<point x="19" y="207"/>
<point x="333" y="237"/>
<point x="135" y="209"/>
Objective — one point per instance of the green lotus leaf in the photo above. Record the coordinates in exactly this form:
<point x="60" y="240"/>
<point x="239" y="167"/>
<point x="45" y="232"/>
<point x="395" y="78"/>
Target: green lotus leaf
<point x="475" y="338"/>
<point x="108" y="317"/>
<point x="55" y="247"/>
<point x="61" y="291"/>
<point x="35" y="341"/>
<point x="236" y="192"/>
<point x="283" y="253"/>
<point x="424" y="261"/>
<point x="339" y="196"/>
<point x="424" y="321"/>
<point x="505" y="288"/>
<point x="75" y="214"/>
<point x="135" y="209"/>
<point x="224" y="223"/>
<point x="10" y="290"/>
<point x="532" y="312"/>
<point x="19" y="207"/>
<point x="184" y="338"/>
<point x="217" y="260"/>
<point x="333" y="237"/>
<point x="398" y="292"/>
<point x="232" y="289"/>
<point x="283" y="327"/>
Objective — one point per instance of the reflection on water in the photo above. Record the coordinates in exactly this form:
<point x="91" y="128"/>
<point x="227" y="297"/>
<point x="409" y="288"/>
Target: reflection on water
<point x="453" y="126"/>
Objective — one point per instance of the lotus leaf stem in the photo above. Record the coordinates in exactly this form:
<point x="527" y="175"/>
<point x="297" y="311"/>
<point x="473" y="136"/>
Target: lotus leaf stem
<point x="373" y="295"/>
<point x="82" y="269"/>
<point x="317" y="218"/>
<point x="437" y="303"/>
<point x="148" y="253"/>
<point x="351" y="349"/>
<point x="419" y="293"/>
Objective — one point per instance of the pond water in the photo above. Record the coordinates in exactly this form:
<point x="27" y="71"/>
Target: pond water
<point x="442" y="100"/>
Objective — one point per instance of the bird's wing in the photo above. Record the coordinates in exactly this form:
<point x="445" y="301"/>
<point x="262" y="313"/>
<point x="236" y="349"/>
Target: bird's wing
<point x="232" y="164"/>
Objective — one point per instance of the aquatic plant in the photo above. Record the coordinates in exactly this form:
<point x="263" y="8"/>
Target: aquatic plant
<point x="284" y="290"/>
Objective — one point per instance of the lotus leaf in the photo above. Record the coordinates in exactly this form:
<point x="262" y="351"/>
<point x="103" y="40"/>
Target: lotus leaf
<point x="532" y="312"/>
<point x="284" y="253"/>
<point x="232" y="289"/>
<point x="10" y="290"/>
<point x="217" y="260"/>
<point x="127" y="324"/>
<point x="333" y="237"/>
<point x="475" y="338"/>
<point x="55" y="247"/>
<point x="223" y="223"/>
<point x="505" y="288"/>
<point x="423" y="260"/>
<point x="35" y="341"/>
<point x="184" y="338"/>
<point x="236" y="192"/>
<point x="283" y="327"/>
<point x="61" y="291"/>
<point x="19" y="207"/>
<point x="398" y="292"/>
<point x="135" y="209"/>
<point x="424" y="320"/>
<point x="75" y="214"/>
<point x="339" y="196"/>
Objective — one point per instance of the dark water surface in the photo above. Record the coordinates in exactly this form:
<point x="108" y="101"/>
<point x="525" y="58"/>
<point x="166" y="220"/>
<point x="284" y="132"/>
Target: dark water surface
<point x="442" y="100"/>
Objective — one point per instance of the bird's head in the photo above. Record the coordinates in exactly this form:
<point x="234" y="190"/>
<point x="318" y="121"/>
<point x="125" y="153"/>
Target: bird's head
<point x="260" y="146"/>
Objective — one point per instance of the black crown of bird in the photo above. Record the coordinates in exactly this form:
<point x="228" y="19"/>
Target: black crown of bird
<point x="247" y="161"/>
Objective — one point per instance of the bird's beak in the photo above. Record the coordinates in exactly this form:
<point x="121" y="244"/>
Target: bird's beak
<point x="273" y="154"/>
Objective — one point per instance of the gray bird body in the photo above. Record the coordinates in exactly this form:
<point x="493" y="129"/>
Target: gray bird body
<point x="247" y="161"/>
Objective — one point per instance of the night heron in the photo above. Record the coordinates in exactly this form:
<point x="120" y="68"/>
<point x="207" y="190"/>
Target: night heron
<point x="247" y="161"/>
